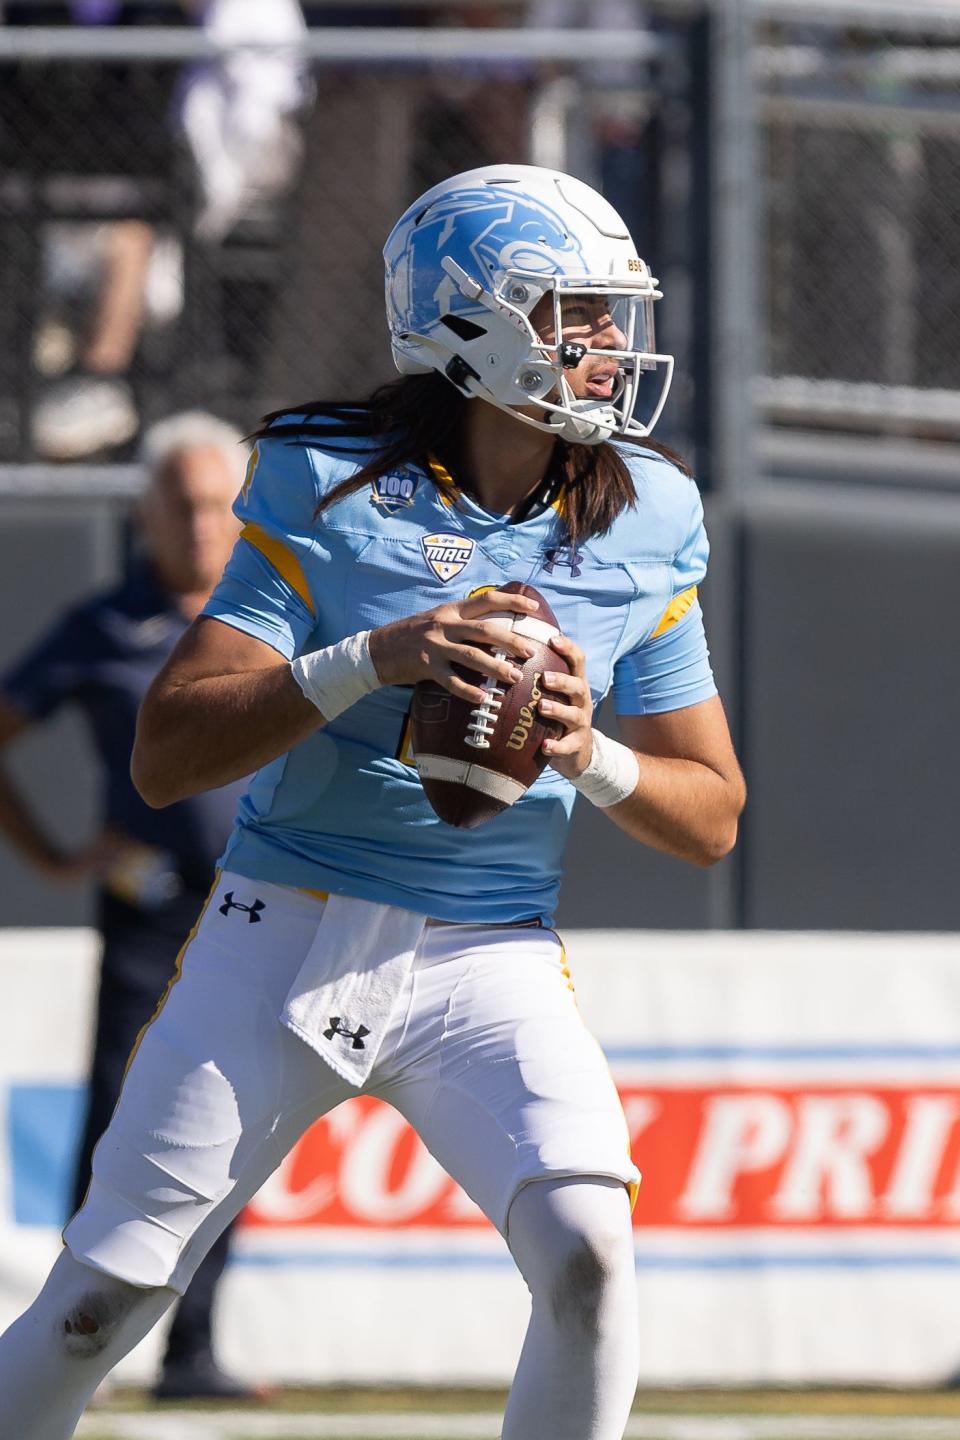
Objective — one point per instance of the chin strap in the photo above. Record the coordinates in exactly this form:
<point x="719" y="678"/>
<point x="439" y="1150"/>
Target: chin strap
<point x="578" y="429"/>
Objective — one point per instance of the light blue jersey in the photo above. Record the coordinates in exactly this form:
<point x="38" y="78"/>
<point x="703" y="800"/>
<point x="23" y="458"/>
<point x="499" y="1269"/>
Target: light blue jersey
<point x="344" y="811"/>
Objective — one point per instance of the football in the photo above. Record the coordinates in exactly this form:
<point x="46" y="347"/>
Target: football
<point x="475" y="760"/>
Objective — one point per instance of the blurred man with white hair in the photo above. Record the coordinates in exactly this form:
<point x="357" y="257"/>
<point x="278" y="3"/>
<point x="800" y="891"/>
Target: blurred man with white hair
<point x="152" y="868"/>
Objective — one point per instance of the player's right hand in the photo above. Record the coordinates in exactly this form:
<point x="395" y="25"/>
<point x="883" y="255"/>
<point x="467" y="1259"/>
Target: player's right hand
<point x="428" y="646"/>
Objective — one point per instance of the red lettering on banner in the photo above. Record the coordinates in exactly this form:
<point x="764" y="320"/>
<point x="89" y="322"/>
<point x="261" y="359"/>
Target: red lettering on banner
<point x="711" y="1157"/>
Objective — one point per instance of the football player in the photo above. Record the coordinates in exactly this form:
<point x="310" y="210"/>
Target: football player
<point x="353" y="942"/>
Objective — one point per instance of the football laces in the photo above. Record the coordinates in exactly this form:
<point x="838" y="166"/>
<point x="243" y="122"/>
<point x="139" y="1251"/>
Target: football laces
<point x="483" y="720"/>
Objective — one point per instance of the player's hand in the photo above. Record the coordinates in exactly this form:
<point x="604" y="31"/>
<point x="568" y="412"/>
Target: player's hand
<point x="428" y="646"/>
<point x="570" y="755"/>
<point x="67" y="867"/>
<point x="63" y="867"/>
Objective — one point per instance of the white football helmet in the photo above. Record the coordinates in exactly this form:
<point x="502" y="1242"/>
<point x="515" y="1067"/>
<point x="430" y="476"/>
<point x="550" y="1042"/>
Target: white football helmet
<point x="469" y="260"/>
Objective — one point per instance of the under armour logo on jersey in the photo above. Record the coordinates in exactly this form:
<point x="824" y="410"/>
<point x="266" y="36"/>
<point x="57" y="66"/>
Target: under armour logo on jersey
<point x="336" y="1028"/>
<point x="252" y="912"/>
<point x="563" y="555"/>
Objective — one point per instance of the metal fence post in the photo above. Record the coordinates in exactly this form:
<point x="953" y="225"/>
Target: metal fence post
<point x="735" y="202"/>
<point x="734" y="366"/>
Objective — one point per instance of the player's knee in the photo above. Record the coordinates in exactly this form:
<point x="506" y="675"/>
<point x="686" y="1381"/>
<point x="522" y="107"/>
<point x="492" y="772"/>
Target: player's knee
<point x="583" y="1283"/>
<point x="89" y="1323"/>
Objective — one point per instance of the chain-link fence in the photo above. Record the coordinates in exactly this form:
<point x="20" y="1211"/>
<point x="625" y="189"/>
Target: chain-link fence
<point x="860" y="223"/>
<point x="122" y="299"/>
<point x="125" y="292"/>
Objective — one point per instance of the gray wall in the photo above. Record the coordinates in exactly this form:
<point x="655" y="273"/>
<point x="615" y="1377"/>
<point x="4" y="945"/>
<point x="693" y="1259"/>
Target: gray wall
<point x="833" y="613"/>
<point x="52" y="553"/>
<point x="850" y="621"/>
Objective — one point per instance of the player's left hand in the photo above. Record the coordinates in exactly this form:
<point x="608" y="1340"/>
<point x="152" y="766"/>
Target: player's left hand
<point x="570" y="755"/>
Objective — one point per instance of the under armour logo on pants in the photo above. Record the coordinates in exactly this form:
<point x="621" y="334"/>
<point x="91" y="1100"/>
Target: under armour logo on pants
<point x="355" y="1035"/>
<point x="252" y="912"/>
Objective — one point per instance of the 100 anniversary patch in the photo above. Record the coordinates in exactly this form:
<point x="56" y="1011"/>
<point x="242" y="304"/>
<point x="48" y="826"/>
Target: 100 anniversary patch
<point x="391" y="493"/>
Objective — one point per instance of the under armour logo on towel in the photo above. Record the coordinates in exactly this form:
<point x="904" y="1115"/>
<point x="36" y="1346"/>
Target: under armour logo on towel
<point x="355" y="1035"/>
<point x="252" y="912"/>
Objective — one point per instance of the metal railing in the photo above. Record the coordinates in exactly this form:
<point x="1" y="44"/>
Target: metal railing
<point x="372" y="45"/>
<point x="288" y="303"/>
<point x="827" y="135"/>
<point x="850" y="210"/>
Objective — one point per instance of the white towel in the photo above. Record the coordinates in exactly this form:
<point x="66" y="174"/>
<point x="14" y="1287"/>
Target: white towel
<point x="343" y="998"/>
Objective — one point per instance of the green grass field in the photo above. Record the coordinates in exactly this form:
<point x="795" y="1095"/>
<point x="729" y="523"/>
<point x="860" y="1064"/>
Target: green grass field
<point x="474" y="1415"/>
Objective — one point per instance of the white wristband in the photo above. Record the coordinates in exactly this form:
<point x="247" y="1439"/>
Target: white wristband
<point x="336" y="678"/>
<point x="612" y="774"/>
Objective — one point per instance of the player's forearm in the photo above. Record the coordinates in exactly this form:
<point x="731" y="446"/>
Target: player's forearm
<point x="683" y="808"/>
<point x="204" y="733"/>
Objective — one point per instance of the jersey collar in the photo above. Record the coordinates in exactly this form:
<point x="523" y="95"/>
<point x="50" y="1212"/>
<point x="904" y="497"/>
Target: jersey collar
<point x="549" y="494"/>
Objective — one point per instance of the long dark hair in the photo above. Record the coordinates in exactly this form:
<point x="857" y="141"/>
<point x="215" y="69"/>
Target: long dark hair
<point x="418" y="419"/>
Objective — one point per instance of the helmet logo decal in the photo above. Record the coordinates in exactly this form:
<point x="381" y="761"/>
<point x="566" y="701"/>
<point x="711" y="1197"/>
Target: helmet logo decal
<point x="484" y="231"/>
<point x="444" y="294"/>
<point x="447" y="555"/>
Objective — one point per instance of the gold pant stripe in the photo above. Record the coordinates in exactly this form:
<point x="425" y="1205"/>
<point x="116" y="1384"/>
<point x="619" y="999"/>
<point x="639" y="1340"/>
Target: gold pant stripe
<point x="177" y="972"/>
<point x="165" y="995"/>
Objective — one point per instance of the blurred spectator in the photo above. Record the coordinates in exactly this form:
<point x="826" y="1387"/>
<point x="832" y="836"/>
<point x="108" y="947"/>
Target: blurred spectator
<point x="358" y="143"/>
<point x="621" y="121"/>
<point x="152" y="868"/>
<point x="92" y="409"/>
<point x="236" y="112"/>
<point x="472" y="114"/>
<point x="110" y="284"/>
<point x="396" y="16"/>
<point x="100" y="124"/>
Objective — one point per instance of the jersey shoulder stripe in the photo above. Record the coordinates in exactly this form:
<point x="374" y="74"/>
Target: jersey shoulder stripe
<point x="282" y="558"/>
<point x="675" y="611"/>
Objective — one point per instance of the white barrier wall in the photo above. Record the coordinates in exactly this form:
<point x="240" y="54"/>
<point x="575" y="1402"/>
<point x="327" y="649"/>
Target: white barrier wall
<point x="794" y="1103"/>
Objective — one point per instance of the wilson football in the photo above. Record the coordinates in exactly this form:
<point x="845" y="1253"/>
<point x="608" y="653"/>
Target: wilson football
<point x="475" y="760"/>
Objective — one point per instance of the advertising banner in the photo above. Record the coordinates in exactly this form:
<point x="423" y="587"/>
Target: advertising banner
<point x="793" y="1103"/>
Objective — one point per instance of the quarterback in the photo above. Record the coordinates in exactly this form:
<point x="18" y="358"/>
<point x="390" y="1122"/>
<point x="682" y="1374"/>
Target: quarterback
<point x="353" y="942"/>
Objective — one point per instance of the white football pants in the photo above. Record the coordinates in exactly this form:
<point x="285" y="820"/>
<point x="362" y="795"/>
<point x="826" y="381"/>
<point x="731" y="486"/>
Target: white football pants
<point x="484" y="1054"/>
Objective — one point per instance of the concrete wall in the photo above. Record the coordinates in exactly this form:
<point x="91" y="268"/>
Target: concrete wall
<point x="52" y="553"/>
<point x="833" y="613"/>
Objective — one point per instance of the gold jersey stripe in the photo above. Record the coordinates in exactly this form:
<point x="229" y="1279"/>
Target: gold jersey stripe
<point x="282" y="559"/>
<point x="446" y="479"/>
<point x="315" y="894"/>
<point x="675" y="611"/>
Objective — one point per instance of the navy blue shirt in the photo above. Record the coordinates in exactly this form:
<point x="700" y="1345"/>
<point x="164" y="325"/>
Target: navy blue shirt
<point x="102" y="656"/>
